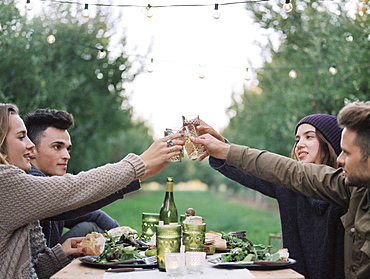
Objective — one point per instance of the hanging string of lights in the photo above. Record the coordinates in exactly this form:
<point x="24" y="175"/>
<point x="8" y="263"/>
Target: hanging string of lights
<point x="287" y="7"/>
<point x="154" y="6"/>
<point x="292" y="72"/>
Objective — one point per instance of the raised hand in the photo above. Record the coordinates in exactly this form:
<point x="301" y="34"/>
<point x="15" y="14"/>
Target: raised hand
<point x="212" y="147"/>
<point x="159" y="152"/>
<point x="204" y="128"/>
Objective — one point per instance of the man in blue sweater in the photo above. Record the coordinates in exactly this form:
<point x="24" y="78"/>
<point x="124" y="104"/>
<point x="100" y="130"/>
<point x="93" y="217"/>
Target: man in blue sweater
<point x="48" y="129"/>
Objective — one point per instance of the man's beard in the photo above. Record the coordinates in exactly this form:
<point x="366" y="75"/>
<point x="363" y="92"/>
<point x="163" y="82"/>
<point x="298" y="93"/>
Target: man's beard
<point x="356" y="182"/>
<point x="360" y="179"/>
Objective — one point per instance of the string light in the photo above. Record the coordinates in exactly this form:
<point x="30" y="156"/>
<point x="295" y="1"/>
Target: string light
<point x="150" y="67"/>
<point x="361" y="8"/>
<point x="288" y="7"/>
<point x="1" y="27"/>
<point x="216" y="13"/>
<point x="86" y="12"/>
<point x="202" y="73"/>
<point x="50" y="39"/>
<point x="148" y="11"/>
<point x="333" y="69"/>
<point x="247" y="75"/>
<point x="102" y="54"/>
<point x="293" y="74"/>
<point x="28" y="5"/>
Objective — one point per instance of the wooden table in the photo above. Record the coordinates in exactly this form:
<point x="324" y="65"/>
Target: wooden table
<point x="76" y="270"/>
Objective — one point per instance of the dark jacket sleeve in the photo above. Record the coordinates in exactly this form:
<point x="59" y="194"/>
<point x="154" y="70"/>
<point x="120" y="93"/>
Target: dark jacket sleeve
<point x="133" y="186"/>
<point x="262" y="186"/>
<point x="102" y="219"/>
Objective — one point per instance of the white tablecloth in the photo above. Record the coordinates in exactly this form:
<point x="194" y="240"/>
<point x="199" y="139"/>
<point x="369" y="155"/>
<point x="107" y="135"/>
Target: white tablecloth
<point x="210" y="271"/>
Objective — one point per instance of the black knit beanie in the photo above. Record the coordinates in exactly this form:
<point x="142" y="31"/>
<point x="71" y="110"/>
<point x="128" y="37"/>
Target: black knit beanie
<point x="327" y="125"/>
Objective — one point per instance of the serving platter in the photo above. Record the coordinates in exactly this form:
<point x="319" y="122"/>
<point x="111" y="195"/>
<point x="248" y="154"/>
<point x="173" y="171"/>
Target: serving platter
<point x="256" y="265"/>
<point x="89" y="260"/>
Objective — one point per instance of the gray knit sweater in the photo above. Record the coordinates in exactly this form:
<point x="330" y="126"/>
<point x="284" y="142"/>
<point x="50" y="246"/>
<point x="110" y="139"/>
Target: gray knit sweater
<point x="25" y="199"/>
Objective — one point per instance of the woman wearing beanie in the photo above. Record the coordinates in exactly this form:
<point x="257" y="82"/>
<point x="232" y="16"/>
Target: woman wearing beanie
<point x="311" y="229"/>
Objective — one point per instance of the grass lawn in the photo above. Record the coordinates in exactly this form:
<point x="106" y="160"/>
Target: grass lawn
<point x="219" y="213"/>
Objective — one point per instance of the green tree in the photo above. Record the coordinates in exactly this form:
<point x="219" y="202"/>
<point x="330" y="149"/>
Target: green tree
<point x="312" y="38"/>
<point x="68" y="75"/>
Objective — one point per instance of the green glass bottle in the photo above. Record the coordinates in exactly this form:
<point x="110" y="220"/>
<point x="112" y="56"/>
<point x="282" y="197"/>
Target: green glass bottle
<point x="168" y="213"/>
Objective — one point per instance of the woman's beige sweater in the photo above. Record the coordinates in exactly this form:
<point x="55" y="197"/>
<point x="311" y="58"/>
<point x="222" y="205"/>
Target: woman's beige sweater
<point x="25" y="198"/>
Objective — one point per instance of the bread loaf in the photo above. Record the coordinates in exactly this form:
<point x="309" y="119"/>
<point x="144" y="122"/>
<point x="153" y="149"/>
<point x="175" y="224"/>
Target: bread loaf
<point x="94" y="244"/>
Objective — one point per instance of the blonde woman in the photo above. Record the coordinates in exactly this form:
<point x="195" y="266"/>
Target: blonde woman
<point x="25" y="199"/>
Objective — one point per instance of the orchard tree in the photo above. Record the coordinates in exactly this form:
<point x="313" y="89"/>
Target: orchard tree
<point x="315" y="36"/>
<point x="68" y="75"/>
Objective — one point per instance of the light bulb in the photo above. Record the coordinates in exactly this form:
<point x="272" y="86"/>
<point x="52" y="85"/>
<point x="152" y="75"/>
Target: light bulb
<point x="361" y="8"/>
<point x="293" y="74"/>
<point x="216" y="13"/>
<point x="150" y="67"/>
<point x="247" y="75"/>
<point x="288" y="7"/>
<point x="201" y="74"/>
<point x="86" y="12"/>
<point x="333" y="70"/>
<point x="102" y="54"/>
<point x="148" y="11"/>
<point x="28" y="5"/>
<point x="50" y="39"/>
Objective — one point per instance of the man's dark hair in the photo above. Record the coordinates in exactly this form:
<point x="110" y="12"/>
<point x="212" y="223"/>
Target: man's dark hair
<point x="356" y="117"/>
<point x="37" y="122"/>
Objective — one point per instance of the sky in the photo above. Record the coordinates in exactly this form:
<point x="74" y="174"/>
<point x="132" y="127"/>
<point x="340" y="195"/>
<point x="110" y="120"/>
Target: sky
<point x="180" y="40"/>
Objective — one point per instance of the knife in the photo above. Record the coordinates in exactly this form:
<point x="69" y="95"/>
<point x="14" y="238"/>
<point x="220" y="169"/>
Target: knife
<point x="264" y="262"/>
<point x="127" y="269"/>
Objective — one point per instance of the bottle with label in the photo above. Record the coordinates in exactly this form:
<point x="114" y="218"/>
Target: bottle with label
<point x="168" y="213"/>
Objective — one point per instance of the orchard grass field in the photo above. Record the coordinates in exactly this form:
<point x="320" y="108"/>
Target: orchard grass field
<point x="220" y="214"/>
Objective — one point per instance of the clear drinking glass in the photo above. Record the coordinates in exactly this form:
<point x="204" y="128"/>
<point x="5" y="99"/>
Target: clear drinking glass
<point x="171" y="131"/>
<point x="193" y="150"/>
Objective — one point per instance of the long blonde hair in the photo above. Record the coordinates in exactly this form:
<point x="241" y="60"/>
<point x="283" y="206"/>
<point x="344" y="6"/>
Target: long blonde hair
<point x="5" y="111"/>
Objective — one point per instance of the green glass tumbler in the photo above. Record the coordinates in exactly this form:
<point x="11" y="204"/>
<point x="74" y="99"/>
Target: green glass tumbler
<point x="168" y="240"/>
<point x="193" y="237"/>
<point x="149" y="220"/>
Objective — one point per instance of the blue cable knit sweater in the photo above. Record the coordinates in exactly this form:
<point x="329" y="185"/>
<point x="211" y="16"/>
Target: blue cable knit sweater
<point x="311" y="229"/>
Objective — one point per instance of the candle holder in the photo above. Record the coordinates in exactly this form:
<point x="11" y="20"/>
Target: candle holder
<point x="195" y="262"/>
<point x="175" y="264"/>
<point x="149" y="220"/>
<point x="168" y="240"/>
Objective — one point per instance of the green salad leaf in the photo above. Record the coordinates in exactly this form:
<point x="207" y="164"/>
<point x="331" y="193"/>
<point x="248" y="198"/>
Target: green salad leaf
<point x="115" y="250"/>
<point x="242" y="249"/>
